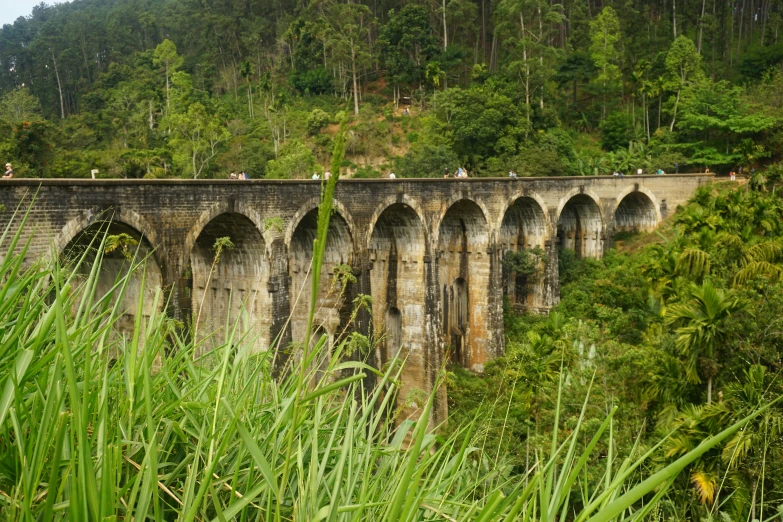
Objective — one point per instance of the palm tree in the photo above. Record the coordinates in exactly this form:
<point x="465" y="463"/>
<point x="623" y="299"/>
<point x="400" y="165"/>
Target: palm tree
<point x="703" y="328"/>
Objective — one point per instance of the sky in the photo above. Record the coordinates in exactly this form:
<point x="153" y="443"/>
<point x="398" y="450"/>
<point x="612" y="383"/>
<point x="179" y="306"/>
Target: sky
<point x="10" y="10"/>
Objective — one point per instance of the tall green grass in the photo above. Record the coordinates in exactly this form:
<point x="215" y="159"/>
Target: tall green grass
<point x="94" y="428"/>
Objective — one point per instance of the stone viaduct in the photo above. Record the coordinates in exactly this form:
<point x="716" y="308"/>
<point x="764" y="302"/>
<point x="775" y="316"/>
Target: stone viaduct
<point x="429" y="251"/>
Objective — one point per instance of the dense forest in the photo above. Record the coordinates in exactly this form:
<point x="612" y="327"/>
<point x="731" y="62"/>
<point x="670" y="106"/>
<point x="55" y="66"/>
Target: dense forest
<point x="679" y="330"/>
<point x="196" y="89"/>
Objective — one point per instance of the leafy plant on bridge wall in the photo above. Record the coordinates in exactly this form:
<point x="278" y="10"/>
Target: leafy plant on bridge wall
<point x="275" y="223"/>
<point x="529" y="263"/>
<point x="121" y="242"/>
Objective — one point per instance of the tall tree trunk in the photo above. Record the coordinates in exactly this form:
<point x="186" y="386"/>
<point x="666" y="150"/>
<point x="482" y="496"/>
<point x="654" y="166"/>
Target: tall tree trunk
<point x="674" y="115"/>
<point x="674" y="18"/>
<point x="739" y="36"/>
<point x="483" y="32"/>
<point x="445" y="28"/>
<point x="527" y="73"/>
<point x="541" y="55"/>
<point x="701" y="25"/>
<point x="59" y="85"/>
<point x="355" y="82"/>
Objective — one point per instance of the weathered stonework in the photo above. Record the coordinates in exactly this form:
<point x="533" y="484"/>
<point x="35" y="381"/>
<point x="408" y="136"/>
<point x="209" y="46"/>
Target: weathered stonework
<point x="429" y="251"/>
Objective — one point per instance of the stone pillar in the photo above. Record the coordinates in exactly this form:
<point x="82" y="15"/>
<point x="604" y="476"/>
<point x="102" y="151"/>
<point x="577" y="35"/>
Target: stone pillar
<point x="433" y="355"/>
<point x="551" y="273"/>
<point x="278" y="287"/>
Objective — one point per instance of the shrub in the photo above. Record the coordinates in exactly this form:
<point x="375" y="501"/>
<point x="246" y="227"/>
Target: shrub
<point x="427" y="160"/>
<point x="316" y="120"/>
<point x="617" y="131"/>
<point x="296" y="161"/>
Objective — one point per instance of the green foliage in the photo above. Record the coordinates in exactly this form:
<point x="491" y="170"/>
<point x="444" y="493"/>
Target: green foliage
<point x="522" y="85"/>
<point x="617" y="131"/>
<point x="296" y="161"/>
<point x="527" y="262"/>
<point x="221" y="244"/>
<point x="122" y="242"/>
<point x="316" y="120"/>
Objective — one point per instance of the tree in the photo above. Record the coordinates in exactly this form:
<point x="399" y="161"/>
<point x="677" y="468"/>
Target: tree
<point x="702" y="328"/>
<point x="169" y="61"/>
<point x="20" y="105"/>
<point x="196" y="137"/>
<point x="683" y="66"/>
<point x="604" y="36"/>
<point x="349" y="30"/>
<point x="407" y="46"/>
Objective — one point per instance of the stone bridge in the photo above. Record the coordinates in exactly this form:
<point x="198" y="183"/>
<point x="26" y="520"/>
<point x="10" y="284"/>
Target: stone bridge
<point x="429" y="251"/>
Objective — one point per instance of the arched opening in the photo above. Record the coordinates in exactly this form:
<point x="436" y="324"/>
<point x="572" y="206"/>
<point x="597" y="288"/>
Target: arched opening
<point x="463" y="271"/>
<point x="522" y="242"/>
<point x="229" y="272"/>
<point x="124" y="247"/>
<point x="635" y="213"/>
<point x="397" y="278"/>
<point x="335" y="273"/>
<point x="579" y="227"/>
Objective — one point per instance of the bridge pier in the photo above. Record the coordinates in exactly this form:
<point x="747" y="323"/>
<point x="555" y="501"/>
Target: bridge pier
<point x="433" y="254"/>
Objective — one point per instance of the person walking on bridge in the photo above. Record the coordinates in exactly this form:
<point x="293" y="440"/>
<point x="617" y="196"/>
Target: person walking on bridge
<point x="9" y="171"/>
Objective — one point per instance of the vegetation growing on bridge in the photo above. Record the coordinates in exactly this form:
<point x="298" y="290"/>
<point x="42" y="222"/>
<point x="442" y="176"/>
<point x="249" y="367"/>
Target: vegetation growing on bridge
<point x="175" y="88"/>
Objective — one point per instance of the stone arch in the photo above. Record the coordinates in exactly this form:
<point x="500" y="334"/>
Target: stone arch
<point x="134" y="256"/>
<point x="636" y="210"/>
<point x="331" y="298"/>
<point x="524" y="227"/>
<point x="464" y="274"/>
<point x="436" y="228"/>
<point x="89" y="217"/>
<point x="230" y="291"/>
<point x="215" y="210"/>
<point x="535" y="198"/>
<point x="312" y="205"/>
<point x="580" y="225"/>
<point x="403" y="199"/>
<point x="397" y="250"/>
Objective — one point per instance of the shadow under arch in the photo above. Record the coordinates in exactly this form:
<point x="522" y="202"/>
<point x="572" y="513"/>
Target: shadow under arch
<point x="580" y="226"/>
<point x="229" y="271"/>
<point x="215" y="210"/>
<point x="397" y="251"/>
<point x="310" y="206"/>
<point x="333" y="291"/>
<point x="400" y="199"/>
<point x="464" y="275"/>
<point x="636" y="211"/>
<point x="524" y="228"/>
<point x="126" y="253"/>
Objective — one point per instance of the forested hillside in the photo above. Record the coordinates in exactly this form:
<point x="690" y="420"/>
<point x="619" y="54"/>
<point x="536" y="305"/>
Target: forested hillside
<point x="197" y="89"/>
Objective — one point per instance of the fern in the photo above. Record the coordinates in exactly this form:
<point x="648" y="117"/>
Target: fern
<point x="757" y="269"/>
<point x="705" y="485"/>
<point x="694" y="262"/>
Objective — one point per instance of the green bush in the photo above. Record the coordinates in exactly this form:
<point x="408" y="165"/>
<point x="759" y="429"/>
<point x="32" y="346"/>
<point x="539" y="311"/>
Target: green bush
<point x="617" y="131"/>
<point x="296" y="161"/>
<point x="316" y="120"/>
<point x="426" y="160"/>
